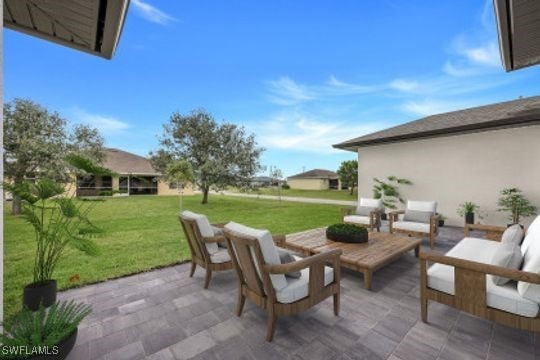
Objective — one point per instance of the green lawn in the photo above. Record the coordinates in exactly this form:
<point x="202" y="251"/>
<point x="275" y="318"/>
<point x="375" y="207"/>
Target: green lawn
<point x="142" y="233"/>
<point x="318" y="194"/>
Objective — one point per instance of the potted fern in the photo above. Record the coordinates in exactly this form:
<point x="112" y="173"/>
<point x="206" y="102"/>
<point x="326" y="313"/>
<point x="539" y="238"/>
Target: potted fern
<point x="388" y="191"/>
<point x="58" y="221"/>
<point x="467" y="210"/>
<point x="517" y="205"/>
<point x="43" y="334"/>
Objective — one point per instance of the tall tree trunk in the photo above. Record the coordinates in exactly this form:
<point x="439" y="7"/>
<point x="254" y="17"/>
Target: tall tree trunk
<point x="205" y="191"/>
<point x="16" y="205"/>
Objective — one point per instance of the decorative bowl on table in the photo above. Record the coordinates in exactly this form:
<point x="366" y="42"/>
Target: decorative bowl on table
<point x="347" y="233"/>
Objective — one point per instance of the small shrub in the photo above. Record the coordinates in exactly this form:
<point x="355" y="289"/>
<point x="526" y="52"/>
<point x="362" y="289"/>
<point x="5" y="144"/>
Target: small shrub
<point x="346" y="229"/>
<point x="285" y="186"/>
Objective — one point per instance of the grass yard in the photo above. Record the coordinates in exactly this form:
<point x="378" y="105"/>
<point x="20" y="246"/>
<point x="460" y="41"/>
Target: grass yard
<point x="142" y="233"/>
<point x="317" y="194"/>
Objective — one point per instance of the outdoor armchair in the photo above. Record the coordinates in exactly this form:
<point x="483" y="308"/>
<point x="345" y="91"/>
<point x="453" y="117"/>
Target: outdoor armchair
<point x="419" y="219"/>
<point x="206" y="244"/>
<point x="367" y="214"/>
<point x="272" y="285"/>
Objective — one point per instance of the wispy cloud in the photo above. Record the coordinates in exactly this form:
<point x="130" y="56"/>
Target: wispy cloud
<point x="104" y="123"/>
<point x="285" y="91"/>
<point x="151" y="13"/>
<point x="343" y="87"/>
<point x="404" y="85"/>
<point x="428" y="107"/>
<point x="302" y="132"/>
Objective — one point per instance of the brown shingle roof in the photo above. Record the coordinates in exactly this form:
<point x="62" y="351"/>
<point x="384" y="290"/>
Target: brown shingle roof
<point x="123" y="162"/>
<point x="521" y="112"/>
<point x="316" y="174"/>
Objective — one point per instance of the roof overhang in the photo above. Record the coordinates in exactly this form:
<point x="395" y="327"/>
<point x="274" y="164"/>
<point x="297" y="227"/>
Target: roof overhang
<point x="521" y="119"/>
<point x="518" y="23"/>
<point x="92" y="26"/>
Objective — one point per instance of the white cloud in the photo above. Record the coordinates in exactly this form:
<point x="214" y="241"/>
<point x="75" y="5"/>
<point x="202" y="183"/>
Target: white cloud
<point x="300" y="132"/>
<point x="343" y="87"/>
<point x="104" y="123"/>
<point x="151" y="13"/>
<point x="404" y="85"/>
<point x="286" y="91"/>
<point x="431" y="107"/>
<point x="487" y="54"/>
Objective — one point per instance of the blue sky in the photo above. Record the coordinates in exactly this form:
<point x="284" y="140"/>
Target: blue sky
<point x="301" y="75"/>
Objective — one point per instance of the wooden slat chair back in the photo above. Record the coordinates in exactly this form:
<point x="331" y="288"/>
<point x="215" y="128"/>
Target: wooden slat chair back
<point x="255" y="282"/>
<point x="199" y="254"/>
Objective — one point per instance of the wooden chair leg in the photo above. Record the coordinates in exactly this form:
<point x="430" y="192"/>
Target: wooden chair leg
<point x="424" y="309"/>
<point x="241" y="302"/>
<point x="193" y="266"/>
<point x="271" y="324"/>
<point x="207" y="278"/>
<point x="336" y="304"/>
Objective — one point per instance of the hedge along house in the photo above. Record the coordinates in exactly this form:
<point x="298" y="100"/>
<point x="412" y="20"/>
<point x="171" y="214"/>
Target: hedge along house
<point x="466" y="155"/>
<point x="135" y="176"/>
<point x="316" y="179"/>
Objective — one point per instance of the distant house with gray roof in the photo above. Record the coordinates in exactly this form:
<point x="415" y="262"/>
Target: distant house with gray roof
<point x="316" y="179"/>
<point x="458" y="156"/>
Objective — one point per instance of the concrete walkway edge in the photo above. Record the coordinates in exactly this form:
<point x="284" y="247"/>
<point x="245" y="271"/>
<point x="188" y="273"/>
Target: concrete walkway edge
<point x="291" y="199"/>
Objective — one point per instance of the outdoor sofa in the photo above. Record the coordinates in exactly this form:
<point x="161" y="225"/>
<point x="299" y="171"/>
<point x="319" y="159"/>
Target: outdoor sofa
<point x="367" y="214"/>
<point x="496" y="280"/>
<point x="418" y="219"/>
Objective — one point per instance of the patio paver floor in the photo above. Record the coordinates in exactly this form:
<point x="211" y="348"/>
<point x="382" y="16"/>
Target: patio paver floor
<point x="164" y="314"/>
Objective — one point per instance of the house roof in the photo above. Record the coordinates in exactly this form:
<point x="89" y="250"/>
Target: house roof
<point x="518" y="24"/>
<point x="316" y="174"/>
<point x="521" y="112"/>
<point x="125" y="163"/>
<point x="93" y="26"/>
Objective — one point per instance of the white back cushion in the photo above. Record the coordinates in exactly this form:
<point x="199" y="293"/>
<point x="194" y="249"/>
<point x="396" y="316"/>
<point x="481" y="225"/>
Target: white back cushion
<point x="374" y="203"/>
<point x="533" y="232"/>
<point x="430" y="206"/>
<point x="268" y="249"/>
<point x="204" y="228"/>
<point x="531" y="261"/>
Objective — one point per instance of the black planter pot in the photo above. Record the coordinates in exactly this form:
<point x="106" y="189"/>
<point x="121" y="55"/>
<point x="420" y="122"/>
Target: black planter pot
<point x="441" y="223"/>
<point x="63" y="349"/>
<point x="384" y="216"/>
<point x="43" y="293"/>
<point x="347" y="238"/>
<point x="469" y="218"/>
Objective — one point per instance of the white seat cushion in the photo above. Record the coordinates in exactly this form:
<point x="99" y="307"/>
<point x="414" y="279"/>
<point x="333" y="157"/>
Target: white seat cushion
<point x="531" y="261"/>
<point x="221" y="256"/>
<point x="430" y="206"/>
<point x="356" y="219"/>
<point x="297" y="289"/>
<point x="411" y="226"/>
<point x="205" y="228"/>
<point x="374" y="203"/>
<point x="268" y="249"/>
<point x="505" y="297"/>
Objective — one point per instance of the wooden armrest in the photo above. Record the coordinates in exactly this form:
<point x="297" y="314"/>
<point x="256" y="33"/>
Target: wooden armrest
<point x="347" y="211"/>
<point x="220" y="225"/>
<point x="332" y="255"/>
<point x="396" y="212"/>
<point x="512" y="274"/>
<point x="279" y="239"/>
<point x="482" y="227"/>
<point x="213" y="239"/>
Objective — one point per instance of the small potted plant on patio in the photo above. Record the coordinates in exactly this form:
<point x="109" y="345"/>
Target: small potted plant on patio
<point x="441" y="220"/>
<point x="388" y="191"/>
<point x="516" y="204"/>
<point x="45" y="333"/>
<point x="347" y="233"/>
<point x="467" y="210"/>
<point x="58" y="221"/>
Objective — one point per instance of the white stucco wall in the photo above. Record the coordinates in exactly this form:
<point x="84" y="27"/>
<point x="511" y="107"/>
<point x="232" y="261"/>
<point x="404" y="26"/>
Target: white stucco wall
<point x="308" y="184"/>
<point x="454" y="169"/>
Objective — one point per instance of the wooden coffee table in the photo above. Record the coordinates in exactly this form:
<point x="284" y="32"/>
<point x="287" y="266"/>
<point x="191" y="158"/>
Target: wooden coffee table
<point x="381" y="249"/>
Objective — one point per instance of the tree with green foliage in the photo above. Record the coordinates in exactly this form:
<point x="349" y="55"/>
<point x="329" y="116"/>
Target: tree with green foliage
<point x="220" y="154"/>
<point x="348" y="174"/>
<point x="180" y="173"/>
<point x="36" y="141"/>
<point x="516" y="204"/>
<point x="388" y="191"/>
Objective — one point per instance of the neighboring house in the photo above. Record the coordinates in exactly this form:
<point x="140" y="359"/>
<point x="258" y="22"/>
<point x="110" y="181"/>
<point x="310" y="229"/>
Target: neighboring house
<point x="136" y="176"/>
<point x="263" y="181"/>
<point x="466" y="155"/>
<point x="316" y="179"/>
